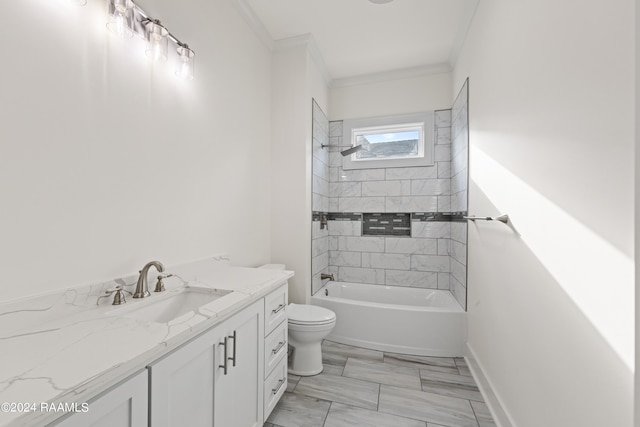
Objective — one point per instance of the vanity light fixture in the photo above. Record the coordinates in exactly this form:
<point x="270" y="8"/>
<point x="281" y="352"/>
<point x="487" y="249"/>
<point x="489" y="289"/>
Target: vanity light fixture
<point x="185" y="66"/>
<point x="127" y="18"/>
<point x="157" y="41"/>
<point x="121" y="19"/>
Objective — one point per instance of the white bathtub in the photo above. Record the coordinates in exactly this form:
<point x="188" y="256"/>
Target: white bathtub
<point x="426" y="322"/>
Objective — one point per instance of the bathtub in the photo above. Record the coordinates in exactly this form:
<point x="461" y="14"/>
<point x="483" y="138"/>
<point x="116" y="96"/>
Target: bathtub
<point x="425" y="322"/>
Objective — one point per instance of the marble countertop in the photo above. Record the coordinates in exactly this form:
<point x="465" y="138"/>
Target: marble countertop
<point x="64" y="347"/>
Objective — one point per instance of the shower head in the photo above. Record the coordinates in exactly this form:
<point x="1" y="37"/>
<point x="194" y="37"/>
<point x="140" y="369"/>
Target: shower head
<point x="363" y="144"/>
<point x="346" y="152"/>
<point x="351" y="150"/>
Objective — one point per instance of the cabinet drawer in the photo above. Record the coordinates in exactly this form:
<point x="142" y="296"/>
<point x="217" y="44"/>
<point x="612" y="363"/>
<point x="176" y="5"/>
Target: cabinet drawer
<point x="275" y="309"/>
<point x="275" y="386"/>
<point x="275" y="347"/>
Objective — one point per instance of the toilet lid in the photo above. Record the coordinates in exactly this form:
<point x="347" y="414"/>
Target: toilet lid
<point x="309" y="314"/>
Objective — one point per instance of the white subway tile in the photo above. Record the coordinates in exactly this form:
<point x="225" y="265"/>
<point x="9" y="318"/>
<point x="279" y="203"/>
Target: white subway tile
<point x="414" y="279"/>
<point x="345" y="189"/>
<point x="345" y="228"/>
<point x="361" y="244"/>
<point x="386" y="261"/>
<point x="444" y="281"/>
<point x="444" y="169"/>
<point x="333" y="204"/>
<point x="459" y="202"/>
<point x="459" y="231"/>
<point x="432" y="229"/>
<point x="442" y="153"/>
<point x="386" y="188"/>
<point x="423" y="172"/>
<point x="335" y="128"/>
<point x="442" y="118"/>
<point x="335" y="158"/>
<point x="430" y="187"/>
<point x="444" y="204"/>
<point x="319" y="263"/>
<point x="361" y="204"/>
<point x="459" y="252"/>
<point x="411" y="204"/>
<point x="404" y="245"/>
<point x="345" y="259"/>
<point x="443" y="136"/>
<point x="316" y="232"/>
<point x="443" y="246"/>
<point x="459" y="293"/>
<point x="459" y="272"/>
<point x="435" y="263"/>
<point x="360" y="174"/>
<point x="319" y="246"/>
<point x="361" y="275"/>
<point x="333" y="243"/>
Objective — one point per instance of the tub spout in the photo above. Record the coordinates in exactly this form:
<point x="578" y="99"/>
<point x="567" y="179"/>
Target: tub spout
<point x="325" y="276"/>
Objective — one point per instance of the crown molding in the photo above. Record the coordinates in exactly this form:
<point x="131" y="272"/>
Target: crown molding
<point x="250" y="17"/>
<point x="307" y="41"/>
<point x="404" y="73"/>
<point x="462" y="36"/>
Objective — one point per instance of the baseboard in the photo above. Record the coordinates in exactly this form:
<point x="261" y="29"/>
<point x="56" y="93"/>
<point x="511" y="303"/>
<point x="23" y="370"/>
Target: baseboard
<point x="500" y="416"/>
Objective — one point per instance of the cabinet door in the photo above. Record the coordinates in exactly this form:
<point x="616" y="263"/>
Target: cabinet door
<point x="182" y="385"/>
<point x="124" y="405"/>
<point x="238" y="393"/>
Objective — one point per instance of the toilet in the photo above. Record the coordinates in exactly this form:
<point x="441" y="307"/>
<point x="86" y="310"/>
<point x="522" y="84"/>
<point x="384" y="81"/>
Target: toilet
<point x="308" y="326"/>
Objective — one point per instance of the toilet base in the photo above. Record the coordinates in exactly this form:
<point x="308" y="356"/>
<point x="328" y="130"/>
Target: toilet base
<point x="306" y="359"/>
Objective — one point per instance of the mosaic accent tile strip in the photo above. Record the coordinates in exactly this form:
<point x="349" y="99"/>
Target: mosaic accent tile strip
<point x="437" y="216"/>
<point x="344" y="216"/>
<point x="386" y="224"/>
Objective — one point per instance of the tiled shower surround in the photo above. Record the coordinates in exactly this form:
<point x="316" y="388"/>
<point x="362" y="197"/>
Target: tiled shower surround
<point x="434" y="256"/>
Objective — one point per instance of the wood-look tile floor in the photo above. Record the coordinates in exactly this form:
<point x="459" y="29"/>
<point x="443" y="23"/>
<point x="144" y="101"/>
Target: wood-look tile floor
<point x="361" y="387"/>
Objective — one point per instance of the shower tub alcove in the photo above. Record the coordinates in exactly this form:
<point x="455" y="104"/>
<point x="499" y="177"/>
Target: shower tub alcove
<point x="425" y="322"/>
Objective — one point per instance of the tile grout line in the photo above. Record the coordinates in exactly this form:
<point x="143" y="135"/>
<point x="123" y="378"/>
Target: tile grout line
<point x="329" y="410"/>
<point x="474" y="413"/>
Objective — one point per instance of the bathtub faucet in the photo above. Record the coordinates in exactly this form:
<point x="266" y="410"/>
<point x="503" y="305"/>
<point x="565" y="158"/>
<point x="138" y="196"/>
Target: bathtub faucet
<point x="324" y="276"/>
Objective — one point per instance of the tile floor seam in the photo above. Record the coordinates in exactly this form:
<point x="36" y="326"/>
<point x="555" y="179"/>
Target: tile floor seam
<point x="474" y="414"/>
<point x="329" y="410"/>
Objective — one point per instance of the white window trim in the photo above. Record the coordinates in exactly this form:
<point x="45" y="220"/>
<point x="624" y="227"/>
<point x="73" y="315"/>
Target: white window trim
<point x="379" y="125"/>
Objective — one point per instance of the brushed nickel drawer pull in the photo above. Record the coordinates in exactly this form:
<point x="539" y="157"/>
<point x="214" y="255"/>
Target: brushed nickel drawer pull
<point x="280" y="345"/>
<point x="280" y="308"/>
<point x="278" y="387"/>
<point x="225" y="366"/>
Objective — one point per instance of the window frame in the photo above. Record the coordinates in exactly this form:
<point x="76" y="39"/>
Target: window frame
<point x="389" y="124"/>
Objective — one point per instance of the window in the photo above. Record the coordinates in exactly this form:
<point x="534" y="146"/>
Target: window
<point x="394" y="141"/>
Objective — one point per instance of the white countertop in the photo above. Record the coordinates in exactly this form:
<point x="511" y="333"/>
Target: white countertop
<point x="64" y="348"/>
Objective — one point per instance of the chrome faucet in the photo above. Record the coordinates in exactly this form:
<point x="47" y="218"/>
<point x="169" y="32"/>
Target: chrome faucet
<point x="142" y="288"/>
<point x="324" y="276"/>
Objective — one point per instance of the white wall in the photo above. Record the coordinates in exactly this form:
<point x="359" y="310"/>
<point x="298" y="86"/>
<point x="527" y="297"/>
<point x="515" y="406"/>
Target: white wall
<point x="107" y="162"/>
<point x="551" y="141"/>
<point x="296" y="81"/>
<point x="400" y="95"/>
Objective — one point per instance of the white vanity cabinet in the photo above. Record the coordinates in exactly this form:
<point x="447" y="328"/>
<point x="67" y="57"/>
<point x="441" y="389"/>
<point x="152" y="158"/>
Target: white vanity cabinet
<point x="123" y="405"/>
<point x="190" y="386"/>
<point x="275" y="348"/>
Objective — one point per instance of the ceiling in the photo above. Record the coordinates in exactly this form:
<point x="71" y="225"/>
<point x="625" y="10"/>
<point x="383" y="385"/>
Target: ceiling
<point x="358" y="37"/>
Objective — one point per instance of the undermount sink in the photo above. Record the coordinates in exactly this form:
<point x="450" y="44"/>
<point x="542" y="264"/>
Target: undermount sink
<point x="164" y="308"/>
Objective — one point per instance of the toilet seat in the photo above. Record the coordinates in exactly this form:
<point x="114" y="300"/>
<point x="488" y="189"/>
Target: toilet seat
<point x="304" y="314"/>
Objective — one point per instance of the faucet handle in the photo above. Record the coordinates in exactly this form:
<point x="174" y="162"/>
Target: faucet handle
<point x="118" y="298"/>
<point x="160" y="284"/>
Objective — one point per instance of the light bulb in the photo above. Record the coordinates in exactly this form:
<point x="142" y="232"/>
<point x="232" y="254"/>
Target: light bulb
<point x="157" y="41"/>
<point x="121" y="19"/>
<point x="185" y="63"/>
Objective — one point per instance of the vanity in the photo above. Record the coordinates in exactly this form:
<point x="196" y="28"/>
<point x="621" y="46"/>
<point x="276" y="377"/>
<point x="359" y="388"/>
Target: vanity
<point x="210" y="350"/>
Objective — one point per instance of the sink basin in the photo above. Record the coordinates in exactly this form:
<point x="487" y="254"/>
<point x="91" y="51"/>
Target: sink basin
<point x="173" y="304"/>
